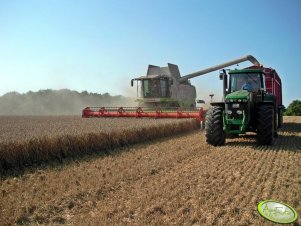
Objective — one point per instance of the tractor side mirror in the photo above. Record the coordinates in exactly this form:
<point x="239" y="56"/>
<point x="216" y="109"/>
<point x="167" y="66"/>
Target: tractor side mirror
<point x="132" y="82"/>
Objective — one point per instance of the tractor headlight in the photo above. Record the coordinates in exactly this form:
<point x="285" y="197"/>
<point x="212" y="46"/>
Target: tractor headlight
<point x="229" y="112"/>
<point x="239" y="100"/>
<point x="235" y="105"/>
<point x="239" y="112"/>
<point x="244" y="100"/>
<point x="231" y="100"/>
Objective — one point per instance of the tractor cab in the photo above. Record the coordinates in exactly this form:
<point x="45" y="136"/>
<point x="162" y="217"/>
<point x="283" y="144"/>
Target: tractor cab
<point x="249" y="80"/>
<point x="241" y="94"/>
<point x="243" y="85"/>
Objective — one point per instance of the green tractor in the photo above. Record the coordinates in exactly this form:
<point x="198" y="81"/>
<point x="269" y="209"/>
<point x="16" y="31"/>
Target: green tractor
<point x="252" y="102"/>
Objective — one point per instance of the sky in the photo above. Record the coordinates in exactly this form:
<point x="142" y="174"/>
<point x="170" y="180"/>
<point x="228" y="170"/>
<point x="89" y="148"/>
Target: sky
<point x="99" y="46"/>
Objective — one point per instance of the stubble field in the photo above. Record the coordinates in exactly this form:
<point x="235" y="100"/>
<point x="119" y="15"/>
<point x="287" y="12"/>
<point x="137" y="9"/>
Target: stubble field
<point x="177" y="180"/>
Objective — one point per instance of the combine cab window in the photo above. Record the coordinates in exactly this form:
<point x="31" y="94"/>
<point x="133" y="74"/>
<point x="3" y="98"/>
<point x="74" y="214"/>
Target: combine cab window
<point x="163" y="84"/>
<point x="145" y="88"/>
<point x="140" y="89"/>
<point x="247" y="81"/>
<point x="155" y="88"/>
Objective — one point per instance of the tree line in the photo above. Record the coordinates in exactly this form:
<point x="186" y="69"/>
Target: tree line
<point x="293" y="108"/>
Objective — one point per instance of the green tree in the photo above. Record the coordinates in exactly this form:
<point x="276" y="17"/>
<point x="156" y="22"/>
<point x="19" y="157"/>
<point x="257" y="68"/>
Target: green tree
<point x="284" y="109"/>
<point x="294" y="108"/>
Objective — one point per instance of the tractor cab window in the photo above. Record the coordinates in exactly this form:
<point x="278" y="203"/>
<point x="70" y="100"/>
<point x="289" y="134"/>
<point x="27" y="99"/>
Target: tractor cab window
<point x="245" y="81"/>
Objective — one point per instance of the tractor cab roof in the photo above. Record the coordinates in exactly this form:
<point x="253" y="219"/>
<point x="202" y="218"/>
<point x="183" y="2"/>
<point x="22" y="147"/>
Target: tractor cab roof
<point x="241" y="71"/>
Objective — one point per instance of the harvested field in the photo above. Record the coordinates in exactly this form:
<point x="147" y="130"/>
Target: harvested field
<point x="25" y="141"/>
<point x="171" y="181"/>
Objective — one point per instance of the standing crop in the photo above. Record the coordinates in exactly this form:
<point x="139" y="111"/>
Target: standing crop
<point x="33" y="140"/>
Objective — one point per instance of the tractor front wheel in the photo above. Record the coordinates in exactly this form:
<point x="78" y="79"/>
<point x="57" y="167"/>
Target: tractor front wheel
<point x="215" y="134"/>
<point x="265" y="125"/>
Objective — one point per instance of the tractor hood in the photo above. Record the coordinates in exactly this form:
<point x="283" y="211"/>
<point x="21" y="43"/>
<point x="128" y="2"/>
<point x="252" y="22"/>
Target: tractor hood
<point x="238" y="95"/>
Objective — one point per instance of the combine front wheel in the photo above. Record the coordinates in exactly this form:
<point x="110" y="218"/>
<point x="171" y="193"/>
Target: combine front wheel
<point x="215" y="134"/>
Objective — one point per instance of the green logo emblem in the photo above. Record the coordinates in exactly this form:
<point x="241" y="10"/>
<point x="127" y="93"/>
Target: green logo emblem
<point x="277" y="212"/>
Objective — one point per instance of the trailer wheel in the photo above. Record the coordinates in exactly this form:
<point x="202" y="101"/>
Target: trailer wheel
<point x="215" y="134"/>
<point x="280" y="118"/>
<point x="265" y="125"/>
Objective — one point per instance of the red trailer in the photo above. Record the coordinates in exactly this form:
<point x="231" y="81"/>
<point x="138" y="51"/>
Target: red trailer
<point x="272" y="83"/>
<point x="273" y="86"/>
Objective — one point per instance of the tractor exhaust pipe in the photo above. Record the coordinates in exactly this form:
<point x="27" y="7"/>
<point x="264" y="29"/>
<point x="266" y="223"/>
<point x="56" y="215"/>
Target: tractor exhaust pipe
<point x="225" y="83"/>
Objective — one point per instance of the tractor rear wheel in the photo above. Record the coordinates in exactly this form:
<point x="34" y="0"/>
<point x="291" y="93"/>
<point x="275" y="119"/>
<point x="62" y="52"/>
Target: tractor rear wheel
<point x="265" y="125"/>
<point x="215" y="134"/>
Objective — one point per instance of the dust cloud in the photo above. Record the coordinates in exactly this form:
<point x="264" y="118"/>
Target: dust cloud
<point x="58" y="102"/>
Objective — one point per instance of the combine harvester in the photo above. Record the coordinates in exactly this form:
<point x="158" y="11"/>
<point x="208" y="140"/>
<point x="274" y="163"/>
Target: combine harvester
<point x="163" y="93"/>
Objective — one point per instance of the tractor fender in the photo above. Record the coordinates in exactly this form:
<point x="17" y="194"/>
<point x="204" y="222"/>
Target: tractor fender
<point x="269" y="103"/>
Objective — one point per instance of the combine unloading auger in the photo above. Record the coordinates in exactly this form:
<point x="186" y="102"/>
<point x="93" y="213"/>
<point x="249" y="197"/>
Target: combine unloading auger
<point x="163" y="93"/>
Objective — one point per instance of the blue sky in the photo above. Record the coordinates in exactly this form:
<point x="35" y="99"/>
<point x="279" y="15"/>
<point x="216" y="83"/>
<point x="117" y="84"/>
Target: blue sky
<point x="99" y="46"/>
